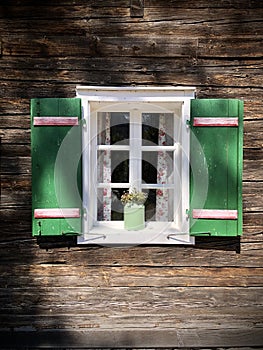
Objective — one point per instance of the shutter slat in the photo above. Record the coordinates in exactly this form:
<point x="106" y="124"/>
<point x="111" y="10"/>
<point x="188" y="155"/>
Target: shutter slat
<point x="56" y="121"/>
<point x="215" y="214"/>
<point x="215" y="122"/>
<point x="52" y="213"/>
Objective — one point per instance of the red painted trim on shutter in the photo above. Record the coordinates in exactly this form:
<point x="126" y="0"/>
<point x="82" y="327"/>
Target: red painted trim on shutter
<point x="215" y="214"/>
<point x="55" y="121"/>
<point x="215" y="122"/>
<point x="56" y="213"/>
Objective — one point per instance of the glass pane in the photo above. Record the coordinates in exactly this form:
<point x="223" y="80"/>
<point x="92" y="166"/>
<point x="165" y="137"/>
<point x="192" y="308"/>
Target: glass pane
<point x="149" y="167"/>
<point x="159" y="205"/>
<point x="113" y="128"/>
<point x="109" y="206"/>
<point x="157" y="167"/>
<point x="113" y="166"/>
<point x="157" y="129"/>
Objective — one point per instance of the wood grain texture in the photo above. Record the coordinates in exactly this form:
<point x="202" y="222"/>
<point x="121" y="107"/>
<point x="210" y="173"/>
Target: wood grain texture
<point x="60" y="295"/>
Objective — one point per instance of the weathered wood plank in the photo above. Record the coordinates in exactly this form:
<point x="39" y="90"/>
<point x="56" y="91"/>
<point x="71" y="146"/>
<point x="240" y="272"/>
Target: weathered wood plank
<point x="188" y="71"/>
<point x="138" y="63"/>
<point x="226" y="4"/>
<point x="252" y="164"/>
<point x="15" y="105"/>
<point x="15" y="136"/>
<point x="252" y="196"/>
<point x="210" y="22"/>
<point x="15" y="150"/>
<point x="62" y="275"/>
<point x="253" y="134"/>
<point x="15" y="121"/>
<point x="252" y="109"/>
<point x="132" y="338"/>
<point x="252" y="226"/>
<point x="229" y="92"/>
<point x="10" y="89"/>
<point x="217" y="301"/>
<point x="207" y="4"/>
<point x="61" y="11"/>
<point x="130" y="46"/>
<point x="213" y="252"/>
<point x="16" y="182"/>
<point x="15" y="165"/>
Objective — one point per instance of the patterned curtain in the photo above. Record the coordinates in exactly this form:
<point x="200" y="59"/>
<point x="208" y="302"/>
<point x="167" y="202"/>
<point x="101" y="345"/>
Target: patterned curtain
<point x="104" y="212"/>
<point x="162" y="168"/>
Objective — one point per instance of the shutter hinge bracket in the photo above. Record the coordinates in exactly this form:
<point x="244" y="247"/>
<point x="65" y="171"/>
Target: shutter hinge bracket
<point x="83" y="122"/>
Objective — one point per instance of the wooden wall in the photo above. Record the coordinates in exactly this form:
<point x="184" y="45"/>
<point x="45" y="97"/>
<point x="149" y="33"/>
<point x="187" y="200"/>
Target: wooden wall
<point x="206" y="296"/>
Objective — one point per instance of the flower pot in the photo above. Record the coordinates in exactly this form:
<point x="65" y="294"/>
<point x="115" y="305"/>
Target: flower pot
<point x="134" y="217"/>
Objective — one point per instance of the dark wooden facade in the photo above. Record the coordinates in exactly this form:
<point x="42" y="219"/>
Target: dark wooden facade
<point x="206" y="296"/>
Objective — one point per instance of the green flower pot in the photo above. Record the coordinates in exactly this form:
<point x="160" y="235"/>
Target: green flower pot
<point x="134" y="217"/>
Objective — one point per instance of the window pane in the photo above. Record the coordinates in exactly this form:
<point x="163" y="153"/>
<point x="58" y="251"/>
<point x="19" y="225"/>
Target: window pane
<point x="157" y="167"/>
<point x="113" y="166"/>
<point x="149" y="167"/>
<point x="113" y="128"/>
<point x="109" y="206"/>
<point x="159" y="205"/>
<point x="157" y="129"/>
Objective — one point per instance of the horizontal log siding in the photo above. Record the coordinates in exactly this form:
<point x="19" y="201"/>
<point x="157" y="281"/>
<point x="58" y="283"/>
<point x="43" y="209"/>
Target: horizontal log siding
<point x="208" y="295"/>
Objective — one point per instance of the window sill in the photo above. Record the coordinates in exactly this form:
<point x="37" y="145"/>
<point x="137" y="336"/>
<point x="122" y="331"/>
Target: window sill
<point x="113" y="233"/>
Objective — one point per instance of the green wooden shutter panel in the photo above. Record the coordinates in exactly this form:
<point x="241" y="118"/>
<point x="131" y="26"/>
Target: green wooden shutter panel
<point x="56" y="166"/>
<point x="216" y="167"/>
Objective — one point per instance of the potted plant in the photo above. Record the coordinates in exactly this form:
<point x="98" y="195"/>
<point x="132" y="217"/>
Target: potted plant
<point x="134" y="217"/>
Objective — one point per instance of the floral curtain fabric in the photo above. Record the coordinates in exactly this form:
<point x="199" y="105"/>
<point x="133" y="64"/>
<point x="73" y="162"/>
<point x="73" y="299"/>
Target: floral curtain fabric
<point x="104" y="212"/>
<point x="162" y="167"/>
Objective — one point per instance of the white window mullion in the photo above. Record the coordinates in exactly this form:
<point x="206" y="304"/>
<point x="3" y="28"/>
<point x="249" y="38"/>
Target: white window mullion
<point x="135" y="168"/>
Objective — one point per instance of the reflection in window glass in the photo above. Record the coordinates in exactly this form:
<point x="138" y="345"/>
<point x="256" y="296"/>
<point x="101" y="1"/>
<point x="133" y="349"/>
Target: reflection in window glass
<point x="113" y="128"/>
<point x="157" y="167"/>
<point x="155" y="212"/>
<point x="113" y="166"/>
<point x="152" y="124"/>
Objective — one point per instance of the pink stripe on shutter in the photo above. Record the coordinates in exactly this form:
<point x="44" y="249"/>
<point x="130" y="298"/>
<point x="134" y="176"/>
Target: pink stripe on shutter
<point x="215" y="122"/>
<point x="55" y="121"/>
<point x="215" y="214"/>
<point x="56" y="213"/>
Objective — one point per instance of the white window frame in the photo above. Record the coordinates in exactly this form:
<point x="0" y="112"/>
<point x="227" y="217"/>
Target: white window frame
<point x="110" y="232"/>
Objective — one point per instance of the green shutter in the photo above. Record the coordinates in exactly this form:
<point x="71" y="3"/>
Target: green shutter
<point x="216" y="167"/>
<point x="56" y="166"/>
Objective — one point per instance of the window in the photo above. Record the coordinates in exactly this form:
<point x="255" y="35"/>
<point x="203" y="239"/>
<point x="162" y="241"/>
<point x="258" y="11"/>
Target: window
<point x="184" y="153"/>
<point x="136" y="138"/>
